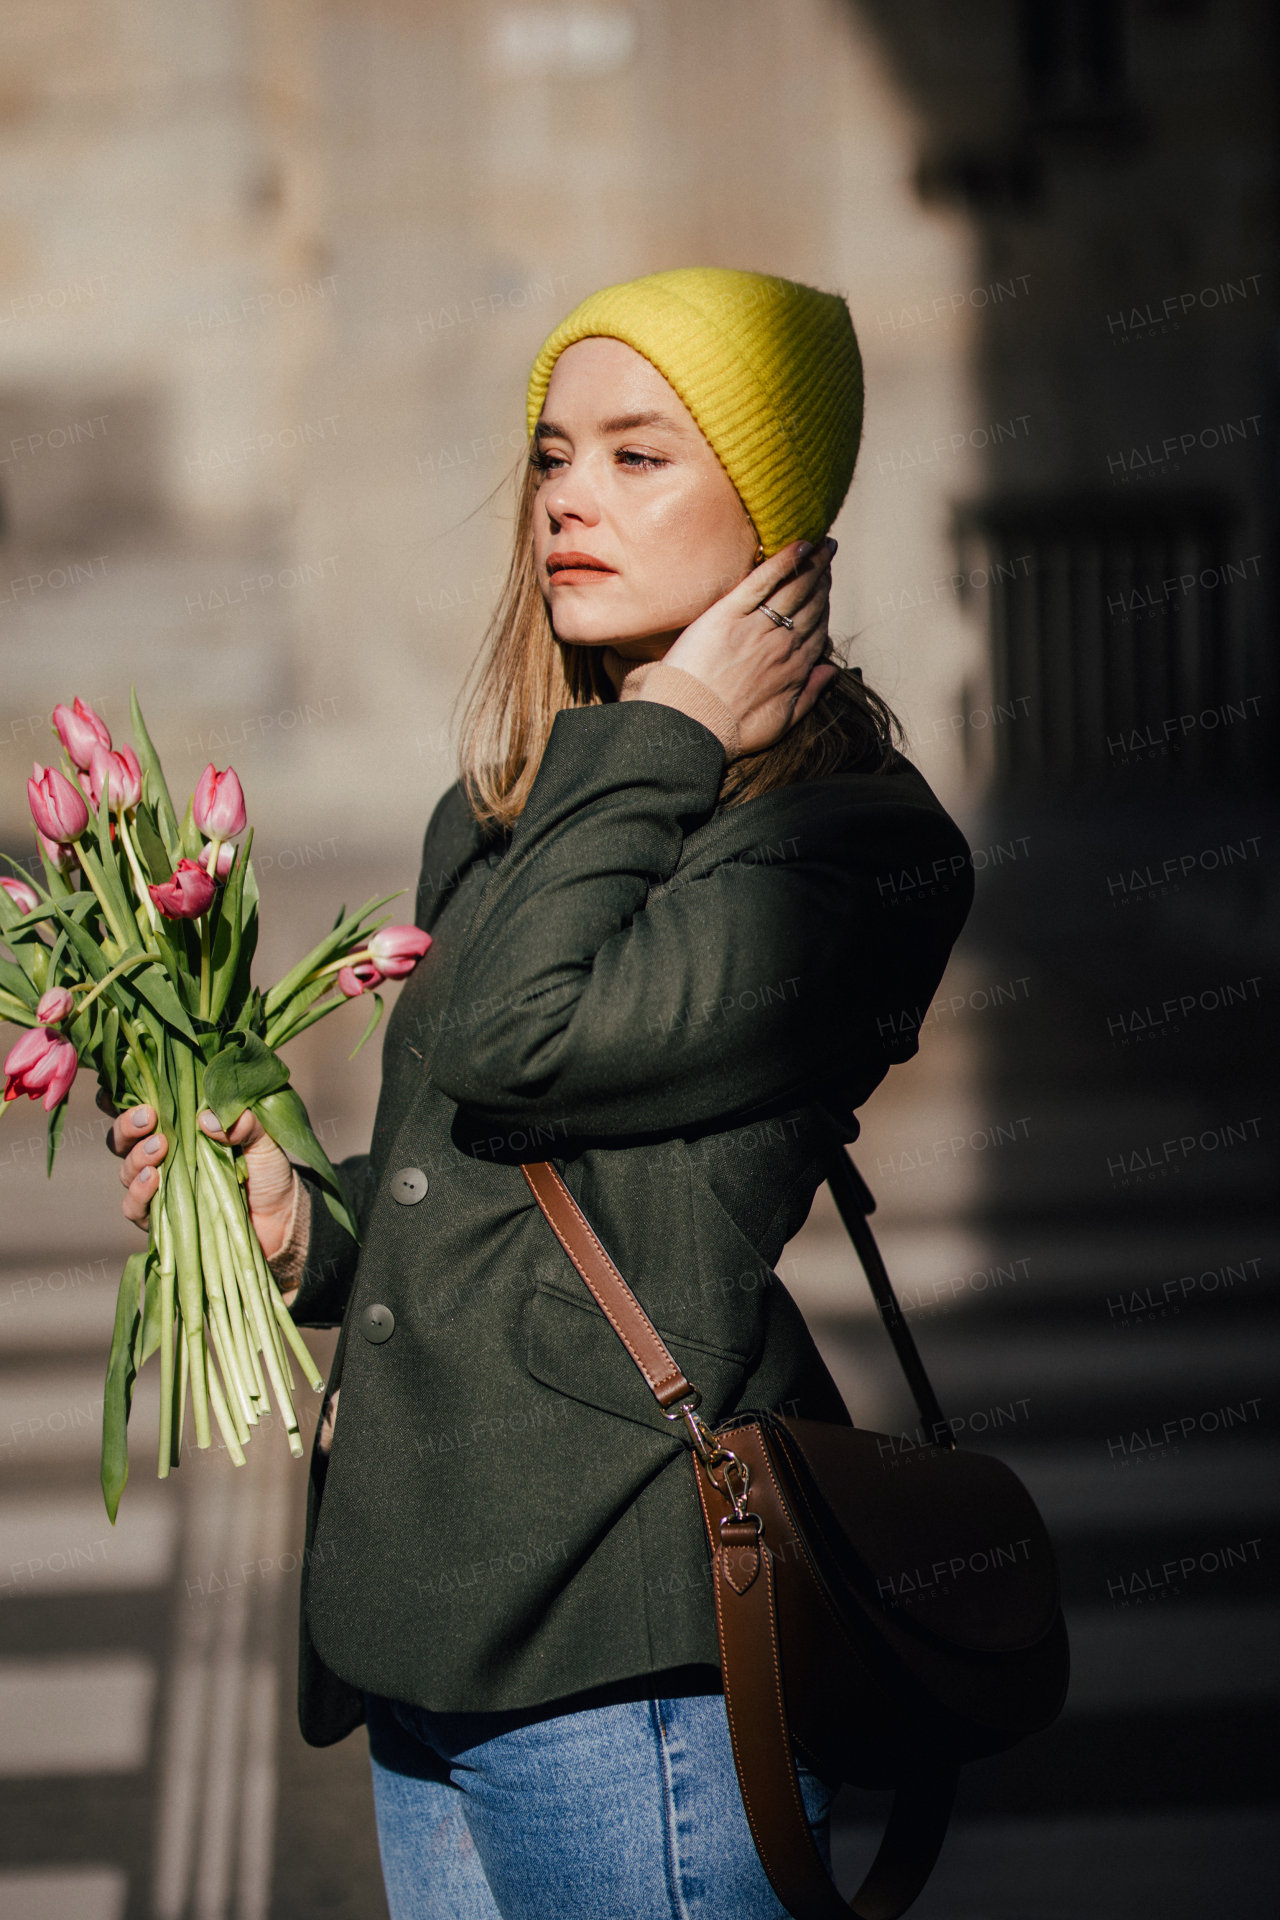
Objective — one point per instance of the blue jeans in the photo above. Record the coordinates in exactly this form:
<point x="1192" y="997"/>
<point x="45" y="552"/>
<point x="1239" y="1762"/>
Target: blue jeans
<point x="625" y="1812"/>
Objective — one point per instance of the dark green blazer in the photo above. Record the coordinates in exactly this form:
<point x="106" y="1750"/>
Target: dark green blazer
<point x="680" y="1007"/>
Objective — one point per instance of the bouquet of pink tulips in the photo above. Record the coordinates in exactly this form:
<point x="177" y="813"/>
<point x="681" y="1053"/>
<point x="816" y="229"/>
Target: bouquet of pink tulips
<point x="134" y="958"/>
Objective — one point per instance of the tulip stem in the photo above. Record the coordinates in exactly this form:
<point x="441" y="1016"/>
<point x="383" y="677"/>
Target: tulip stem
<point x="139" y="1058"/>
<point x="290" y="1029"/>
<point x="336" y="966"/>
<point x="86" y="867"/>
<point x="144" y="896"/>
<point x="164" y="1247"/>
<point x="133" y="960"/>
<point x="206" y="968"/>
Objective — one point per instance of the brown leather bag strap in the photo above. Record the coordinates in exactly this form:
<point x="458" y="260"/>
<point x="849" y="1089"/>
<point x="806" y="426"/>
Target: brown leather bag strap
<point x="747" y="1627"/>
<point x="610" y="1291"/>
<point x="750" y="1660"/>
<point x="854" y="1202"/>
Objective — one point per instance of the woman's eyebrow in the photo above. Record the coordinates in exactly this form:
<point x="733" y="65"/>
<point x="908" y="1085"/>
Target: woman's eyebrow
<point x="626" y="421"/>
<point x="623" y="423"/>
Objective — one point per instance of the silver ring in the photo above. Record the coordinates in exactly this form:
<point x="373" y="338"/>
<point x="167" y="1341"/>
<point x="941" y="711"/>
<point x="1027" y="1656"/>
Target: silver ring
<point x="778" y="619"/>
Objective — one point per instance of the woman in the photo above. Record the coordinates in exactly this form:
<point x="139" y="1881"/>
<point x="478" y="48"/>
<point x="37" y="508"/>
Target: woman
<point x="681" y="888"/>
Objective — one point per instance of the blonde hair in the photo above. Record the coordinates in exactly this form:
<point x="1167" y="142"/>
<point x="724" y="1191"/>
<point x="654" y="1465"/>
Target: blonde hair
<point x="524" y="677"/>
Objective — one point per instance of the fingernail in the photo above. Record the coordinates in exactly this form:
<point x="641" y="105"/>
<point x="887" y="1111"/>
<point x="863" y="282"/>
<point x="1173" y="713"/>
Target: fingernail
<point x="804" y="550"/>
<point x="209" y="1121"/>
<point x="141" y="1116"/>
<point x="834" y="546"/>
<point x="152" y="1145"/>
<point x="147" y="1175"/>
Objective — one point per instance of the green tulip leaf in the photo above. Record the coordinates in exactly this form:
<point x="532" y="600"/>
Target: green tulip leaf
<point x="290" y="1021"/>
<point x="155" y="987"/>
<point x="228" y="933"/>
<point x="321" y="955"/>
<point x="149" y="984"/>
<point x="76" y="906"/>
<point x="155" y="854"/>
<point x="179" y="946"/>
<point x="242" y="1074"/>
<point x="15" y="981"/>
<point x="96" y="964"/>
<point x="242" y="995"/>
<point x="285" y="1119"/>
<point x="117" y="1394"/>
<point x="374" y="1018"/>
<point x="59" y="886"/>
<point x="107" y="851"/>
<point x="56" y="1119"/>
<point x="105" y="881"/>
<point x="156" y="789"/>
<point x="250" y="889"/>
<point x="189" y="833"/>
<point x="147" y="1339"/>
<point x="111" y="1054"/>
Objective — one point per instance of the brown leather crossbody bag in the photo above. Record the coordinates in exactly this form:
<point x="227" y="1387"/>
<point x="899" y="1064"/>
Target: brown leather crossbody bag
<point x="883" y="1614"/>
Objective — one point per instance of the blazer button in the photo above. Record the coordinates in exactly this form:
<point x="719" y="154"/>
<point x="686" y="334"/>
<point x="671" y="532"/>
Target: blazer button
<point x="377" y="1324"/>
<point x="408" y="1186"/>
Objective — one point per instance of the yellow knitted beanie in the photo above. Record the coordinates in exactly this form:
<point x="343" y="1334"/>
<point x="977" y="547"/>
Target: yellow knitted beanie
<point x="769" y="369"/>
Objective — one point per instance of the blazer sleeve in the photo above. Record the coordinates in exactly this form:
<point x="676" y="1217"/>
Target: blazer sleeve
<point x="329" y="1271"/>
<point x="593" y="995"/>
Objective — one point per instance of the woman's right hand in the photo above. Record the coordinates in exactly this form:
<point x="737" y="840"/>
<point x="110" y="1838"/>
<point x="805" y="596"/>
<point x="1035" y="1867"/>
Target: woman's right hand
<point x="768" y="676"/>
<point x="270" y="1182"/>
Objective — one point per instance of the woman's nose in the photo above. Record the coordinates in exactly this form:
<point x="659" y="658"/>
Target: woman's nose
<point x="571" y="498"/>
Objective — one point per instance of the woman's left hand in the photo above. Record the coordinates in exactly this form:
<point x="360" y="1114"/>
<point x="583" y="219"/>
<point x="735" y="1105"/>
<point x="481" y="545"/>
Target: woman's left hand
<point x="767" y="676"/>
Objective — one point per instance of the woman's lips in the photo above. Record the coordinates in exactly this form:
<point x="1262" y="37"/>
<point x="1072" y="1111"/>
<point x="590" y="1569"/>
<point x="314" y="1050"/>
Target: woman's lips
<point x="567" y="569"/>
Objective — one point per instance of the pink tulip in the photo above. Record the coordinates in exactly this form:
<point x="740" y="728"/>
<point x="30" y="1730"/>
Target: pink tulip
<point x="21" y="894"/>
<point x="63" y="858"/>
<point x="56" y="1006"/>
<point x="41" y="1063"/>
<point x="397" y="950"/>
<point x="218" y="804"/>
<point x="353" y="981"/>
<point x="58" y="810"/>
<point x="119" y="773"/>
<point x="80" y="731"/>
<point x="186" y="894"/>
<point x="226" y="854"/>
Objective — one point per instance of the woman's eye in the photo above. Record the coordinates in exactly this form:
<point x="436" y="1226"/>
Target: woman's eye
<point x="548" y="462"/>
<point x="630" y="457"/>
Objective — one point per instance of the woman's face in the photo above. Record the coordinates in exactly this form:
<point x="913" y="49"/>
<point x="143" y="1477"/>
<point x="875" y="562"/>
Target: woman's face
<point x="637" y="528"/>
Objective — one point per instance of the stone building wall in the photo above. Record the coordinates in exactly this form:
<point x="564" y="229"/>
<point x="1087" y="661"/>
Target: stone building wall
<point x="283" y="269"/>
